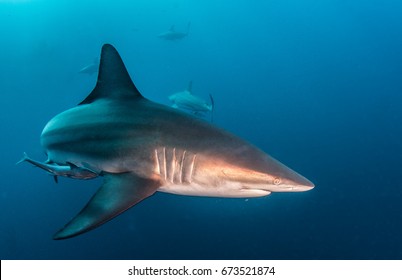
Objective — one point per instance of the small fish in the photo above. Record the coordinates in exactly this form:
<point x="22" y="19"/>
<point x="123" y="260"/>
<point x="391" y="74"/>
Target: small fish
<point x="69" y="170"/>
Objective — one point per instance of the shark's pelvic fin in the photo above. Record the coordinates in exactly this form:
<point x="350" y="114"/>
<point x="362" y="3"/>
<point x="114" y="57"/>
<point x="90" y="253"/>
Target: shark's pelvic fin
<point x="118" y="193"/>
<point x="113" y="78"/>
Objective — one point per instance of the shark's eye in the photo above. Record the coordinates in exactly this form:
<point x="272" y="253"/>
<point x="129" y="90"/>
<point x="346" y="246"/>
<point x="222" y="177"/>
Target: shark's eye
<point x="277" y="181"/>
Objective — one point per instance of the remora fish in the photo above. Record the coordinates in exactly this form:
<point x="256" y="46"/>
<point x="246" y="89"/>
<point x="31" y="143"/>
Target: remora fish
<point x="142" y="147"/>
<point x="69" y="170"/>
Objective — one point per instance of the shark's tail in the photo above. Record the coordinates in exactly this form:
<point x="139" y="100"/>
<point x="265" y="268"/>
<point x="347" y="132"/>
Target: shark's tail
<point x="24" y="158"/>
<point x="212" y="107"/>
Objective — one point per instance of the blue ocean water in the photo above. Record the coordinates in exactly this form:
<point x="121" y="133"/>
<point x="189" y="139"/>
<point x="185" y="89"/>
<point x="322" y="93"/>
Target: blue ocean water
<point x="316" y="84"/>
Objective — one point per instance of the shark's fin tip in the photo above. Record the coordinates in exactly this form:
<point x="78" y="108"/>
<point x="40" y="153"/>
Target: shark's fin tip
<point x="113" y="78"/>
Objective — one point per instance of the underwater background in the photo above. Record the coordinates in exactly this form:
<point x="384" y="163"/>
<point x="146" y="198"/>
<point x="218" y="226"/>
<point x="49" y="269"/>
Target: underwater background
<point x="317" y="84"/>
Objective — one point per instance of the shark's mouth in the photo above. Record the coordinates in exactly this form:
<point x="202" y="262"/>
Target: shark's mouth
<point x="252" y="191"/>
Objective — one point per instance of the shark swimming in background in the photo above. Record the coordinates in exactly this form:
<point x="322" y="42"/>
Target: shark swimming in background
<point x="173" y="35"/>
<point x="91" y="68"/>
<point x="139" y="147"/>
<point x="187" y="100"/>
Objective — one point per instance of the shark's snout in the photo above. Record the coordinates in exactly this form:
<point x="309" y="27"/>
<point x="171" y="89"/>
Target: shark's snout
<point x="302" y="185"/>
<point x="290" y="181"/>
<point x="284" y="184"/>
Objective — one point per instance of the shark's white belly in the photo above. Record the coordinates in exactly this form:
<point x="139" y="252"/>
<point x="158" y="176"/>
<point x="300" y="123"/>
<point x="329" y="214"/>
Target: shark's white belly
<point x="195" y="189"/>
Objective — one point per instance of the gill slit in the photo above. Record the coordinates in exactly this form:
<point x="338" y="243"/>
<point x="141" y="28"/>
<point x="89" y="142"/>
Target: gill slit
<point x="181" y="166"/>
<point x="173" y="165"/>
<point x="158" y="165"/>
<point x="192" y="168"/>
<point x="164" y="162"/>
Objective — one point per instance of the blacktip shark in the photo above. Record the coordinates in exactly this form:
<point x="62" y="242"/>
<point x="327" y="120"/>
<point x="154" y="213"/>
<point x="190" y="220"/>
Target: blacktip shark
<point x="172" y="34"/>
<point x="91" y="68"/>
<point x="187" y="100"/>
<point x="140" y="147"/>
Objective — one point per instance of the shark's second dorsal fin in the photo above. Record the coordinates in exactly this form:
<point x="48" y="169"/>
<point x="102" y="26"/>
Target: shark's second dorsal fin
<point x="113" y="79"/>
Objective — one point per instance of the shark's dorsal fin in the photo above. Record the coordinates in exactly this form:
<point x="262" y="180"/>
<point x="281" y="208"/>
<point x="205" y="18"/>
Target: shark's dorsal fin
<point x="114" y="82"/>
<point x="172" y="29"/>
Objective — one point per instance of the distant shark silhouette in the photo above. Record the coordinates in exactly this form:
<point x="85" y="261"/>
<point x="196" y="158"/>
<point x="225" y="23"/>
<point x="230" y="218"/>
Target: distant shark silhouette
<point x="186" y="100"/>
<point x="173" y="35"/>
<point x="91" y="68"/>
<point x="140" y="147"/>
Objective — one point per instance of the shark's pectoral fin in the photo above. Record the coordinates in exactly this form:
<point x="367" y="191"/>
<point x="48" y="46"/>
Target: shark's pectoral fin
<point x="118" y="193"/>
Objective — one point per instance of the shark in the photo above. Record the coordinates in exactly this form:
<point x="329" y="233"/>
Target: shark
<point x="173" y="35"/>
<point x="188" y="101"/>
<point x="139" y="147"/>
<point x="91" y="68"/>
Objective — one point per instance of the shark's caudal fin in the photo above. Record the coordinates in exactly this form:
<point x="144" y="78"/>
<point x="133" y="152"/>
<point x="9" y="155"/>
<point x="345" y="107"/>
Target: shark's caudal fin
<point x="118" y="193"/>
<point x="113" y="78"/>
<point x="212" y="101"/>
